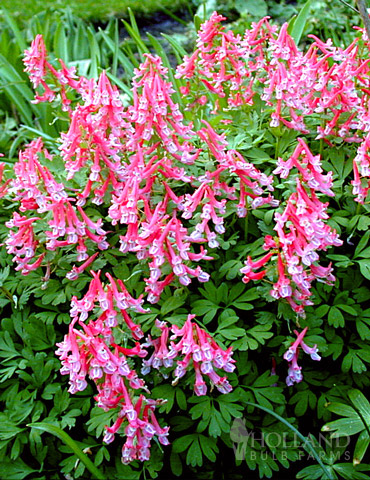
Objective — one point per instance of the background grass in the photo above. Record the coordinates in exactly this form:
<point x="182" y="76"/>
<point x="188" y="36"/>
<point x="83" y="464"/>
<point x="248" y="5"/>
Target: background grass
<point x="91" y="9"/>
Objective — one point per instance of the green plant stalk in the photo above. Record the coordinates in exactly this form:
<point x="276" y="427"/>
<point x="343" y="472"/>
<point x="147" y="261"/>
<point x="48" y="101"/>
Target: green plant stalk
<point x="58" y="432"/>
<point x="277" y="147"/>
<point x="349" y="6"/>
<point x="306" y="443"/>
<point x="364" y="15"/>
<point x="7" y="294"/>
<point x="246" y="225"/>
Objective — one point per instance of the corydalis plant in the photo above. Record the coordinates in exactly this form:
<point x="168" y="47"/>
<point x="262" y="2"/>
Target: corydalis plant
<point x="133" y="173"/>
<point x="164" y="188"/>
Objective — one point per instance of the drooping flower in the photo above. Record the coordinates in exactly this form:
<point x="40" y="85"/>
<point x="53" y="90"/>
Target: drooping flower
<point x="291" y="356"/>
<point x="198" y="350"/>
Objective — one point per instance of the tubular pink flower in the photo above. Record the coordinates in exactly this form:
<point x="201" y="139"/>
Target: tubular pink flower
<point x="291" y="356"/>
<point x="197" y="348"/>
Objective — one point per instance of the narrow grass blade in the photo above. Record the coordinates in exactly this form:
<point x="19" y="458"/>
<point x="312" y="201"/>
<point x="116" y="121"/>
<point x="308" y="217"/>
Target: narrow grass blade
<point x="120" y="84"/>
<point x="133" y="22"/>
<point x="130" y="55"/>
<point x="115" y="52"/>
<point x="179" y="51"/>
<point x="58" y="432"/>
<point x="175" y="17"/>
<point x="136" y="37"/>
<point x="94" y="53"/>
<point x="307" y="445"/>
<point x="121" y="57"/>
<point x="12" y="92"/>
<point x="296" y="27"/>
<point x="60" y="43"/>
<point x="14" y="27"/>
<point x="134" y="33"/>
<point x="80" y="50"/>
<point x="39" y="133"/>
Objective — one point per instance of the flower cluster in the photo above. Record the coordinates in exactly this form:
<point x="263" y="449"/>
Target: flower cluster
<point x="219" y="63"/>
<point x="40" y="70"/>
<point x="301" y="233"/>
<point x="199" y="351"/>
<point x="142" y="426"/>
<point x="326" y="81"/>
<point x="92" y="351"/>
<point x="22" y="243"/>
<point x="361" y="171"/>
<point x="37" y="190"/>
<point x="133" y="161"/>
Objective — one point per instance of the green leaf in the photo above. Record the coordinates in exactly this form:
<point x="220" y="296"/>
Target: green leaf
<point x="365" y="268"/>
<point x="296" y="28"/>
<point x="335" y="317"/>
<point x="232" y="333"/>
<point x="209" y="447"/>
<point x="194" y="456"/>
<point x="8" y="428"/>
<point x="7" y="347"/>
<point x="181" y="444"/>
<point x="347" y="309"/>
<point x="261" y="333"/>
<point x="360" y="402"/>
<point x="172" y="303"/>
<point x="362" y="244"/>
<point x="100" y="418"/>
<point x="352" y="360"/>
<point x="342" y="409"/>
<point x="166" y="391"/>
<point x="363" y="223"/>
<point x="365" y="253"/>
<point x="307" y="444"/>
<point x="361" y="447"/>
<point x="313" y="472"/>
<point x="197" y="22"/>
<point x="205" y="307"/>
<point x="363" y="330"/>
<point x="344" y="426"/>
<point x="176" y="465"/>
<point x="16" y="470"/>
<point x="181" y="399"/>
<point x="231" y="269"/>
<point x="58" y="432"/>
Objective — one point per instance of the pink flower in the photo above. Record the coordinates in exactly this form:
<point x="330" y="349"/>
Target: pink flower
<point x="195" y="345"/>
<point x="291" y="356"/>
